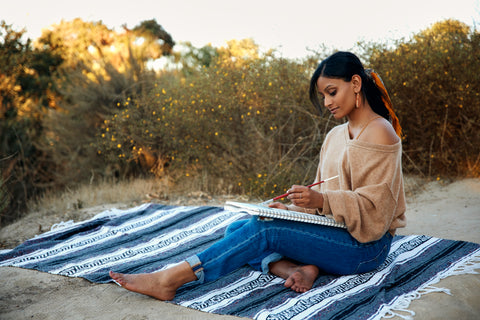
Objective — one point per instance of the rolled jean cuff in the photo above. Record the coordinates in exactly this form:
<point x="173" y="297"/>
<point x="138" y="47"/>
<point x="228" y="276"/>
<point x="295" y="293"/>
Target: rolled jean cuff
<point x="197" y="268"/>
<point x="273" y="257"/>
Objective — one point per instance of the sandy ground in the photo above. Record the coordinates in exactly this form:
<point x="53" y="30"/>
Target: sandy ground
<point x="447" y="211"/>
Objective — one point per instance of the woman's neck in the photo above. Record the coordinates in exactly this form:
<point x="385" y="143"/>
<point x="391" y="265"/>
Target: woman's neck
<point x="358" y="119"/>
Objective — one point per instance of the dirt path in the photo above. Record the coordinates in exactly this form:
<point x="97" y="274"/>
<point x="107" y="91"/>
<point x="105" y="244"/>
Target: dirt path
<point x="451" y="212"/>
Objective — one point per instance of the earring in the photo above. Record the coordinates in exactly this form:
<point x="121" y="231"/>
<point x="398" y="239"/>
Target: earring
<point x="356" y="100"/>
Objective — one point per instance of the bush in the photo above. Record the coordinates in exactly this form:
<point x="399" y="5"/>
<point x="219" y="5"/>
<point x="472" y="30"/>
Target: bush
<point x="433" y="83"/>
<point x="26" y="93"/>
<point x="228" y="120"/>
<point x="102" y="67"/>
<point x="240" y="125"/>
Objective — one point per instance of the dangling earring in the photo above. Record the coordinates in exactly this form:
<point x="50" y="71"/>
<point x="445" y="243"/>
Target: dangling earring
<point x="356" y="100"/>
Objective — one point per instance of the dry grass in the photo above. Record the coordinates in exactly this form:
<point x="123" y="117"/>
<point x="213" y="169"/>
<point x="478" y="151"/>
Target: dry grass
<point x="136" y="191"/>
<point x="87" y="200"/>
<point x="126" y="194"/>
<point x="91" y="195"/>
<point x="414" y="185"/>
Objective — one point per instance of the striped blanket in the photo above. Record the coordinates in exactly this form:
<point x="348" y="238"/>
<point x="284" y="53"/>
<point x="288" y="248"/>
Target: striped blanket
<point x="152" y="237"/>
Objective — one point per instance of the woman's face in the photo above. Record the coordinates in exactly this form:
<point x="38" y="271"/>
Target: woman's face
<point x="338" y="96"/>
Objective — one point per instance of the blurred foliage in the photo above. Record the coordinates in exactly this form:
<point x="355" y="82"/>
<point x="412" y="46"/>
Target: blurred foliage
<point x="433" y="83"/>
<point x="101" y="68"/>
<point x="4" y="197"/>
<point x="56" y="93"/>
<point x="92" y="44"/>
<point x="26" y="93"/>
<point x="245" y="122"/>
<point x="84" y="102"/>
<point x="192" y="59"/>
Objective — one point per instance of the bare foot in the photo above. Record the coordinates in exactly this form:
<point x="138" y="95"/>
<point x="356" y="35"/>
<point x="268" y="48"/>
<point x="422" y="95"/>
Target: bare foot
<point x="298" y="278"/>
<point x="161" y="285"/>
<point x="302" y="279"/>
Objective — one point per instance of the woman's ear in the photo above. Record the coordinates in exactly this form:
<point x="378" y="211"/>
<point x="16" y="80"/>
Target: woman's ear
<point x="356" y="83"/>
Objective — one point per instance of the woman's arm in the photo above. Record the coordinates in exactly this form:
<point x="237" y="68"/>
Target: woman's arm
<point x="373" y="196"/>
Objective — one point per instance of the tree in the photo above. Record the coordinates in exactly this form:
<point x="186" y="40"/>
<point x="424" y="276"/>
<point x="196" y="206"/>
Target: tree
<point x="102" y="69"/>
<point x="158" y="41"/>
<point x="27" y="92"/>
<point x="190" y="59"/>
<point x="93" y="45"/>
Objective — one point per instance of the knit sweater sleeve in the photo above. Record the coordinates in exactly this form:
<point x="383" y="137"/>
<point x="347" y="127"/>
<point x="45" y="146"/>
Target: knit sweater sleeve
<point x="369" y="195"/>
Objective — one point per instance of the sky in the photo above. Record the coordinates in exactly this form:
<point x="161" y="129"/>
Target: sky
<point x="291" y="27"/>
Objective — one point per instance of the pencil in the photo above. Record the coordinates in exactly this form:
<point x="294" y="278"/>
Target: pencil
<point x="309" y="186"/>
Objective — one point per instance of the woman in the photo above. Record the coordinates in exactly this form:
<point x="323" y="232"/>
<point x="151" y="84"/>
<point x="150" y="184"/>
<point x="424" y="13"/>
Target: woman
<point x="368" y="197"/>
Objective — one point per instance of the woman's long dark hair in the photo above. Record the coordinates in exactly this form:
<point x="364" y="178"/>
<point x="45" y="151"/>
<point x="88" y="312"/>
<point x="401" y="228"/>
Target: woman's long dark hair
<point x="344" y="65"/>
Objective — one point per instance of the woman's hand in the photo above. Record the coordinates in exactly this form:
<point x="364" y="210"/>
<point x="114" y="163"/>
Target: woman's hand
<point x="305" y="197"/>
<point x="278" y="205"/>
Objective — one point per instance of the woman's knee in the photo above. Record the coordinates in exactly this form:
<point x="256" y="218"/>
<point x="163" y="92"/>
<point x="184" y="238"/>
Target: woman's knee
<point x="252" y="226"/>
<point x="234" y="226"/>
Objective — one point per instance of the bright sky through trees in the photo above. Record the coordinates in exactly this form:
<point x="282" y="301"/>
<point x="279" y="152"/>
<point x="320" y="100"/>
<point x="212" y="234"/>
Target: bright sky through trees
<point x="289" y="26"/>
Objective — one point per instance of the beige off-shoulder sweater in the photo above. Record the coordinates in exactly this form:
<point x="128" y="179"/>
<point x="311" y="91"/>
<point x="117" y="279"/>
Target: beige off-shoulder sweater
<point x="368" y="195"/>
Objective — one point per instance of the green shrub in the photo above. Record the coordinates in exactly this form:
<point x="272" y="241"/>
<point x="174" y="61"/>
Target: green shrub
<point x="101" y="68"/>
<point x="433" y="83"/>
<point x="227" y="120"/>
<point x="245" y="125"/>
<point x="4" y="197"/>
<point x="27" y="92"/>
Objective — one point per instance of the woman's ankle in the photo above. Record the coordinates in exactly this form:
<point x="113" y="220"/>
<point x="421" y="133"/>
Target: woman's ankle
<point x="282" y="268"/>
<point x="181" y="274"/>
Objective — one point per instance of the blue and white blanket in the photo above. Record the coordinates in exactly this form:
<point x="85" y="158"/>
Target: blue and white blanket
<point x="153" y="236"/>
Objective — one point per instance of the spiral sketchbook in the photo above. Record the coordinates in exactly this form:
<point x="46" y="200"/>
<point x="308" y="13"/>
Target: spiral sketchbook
<point x="266" y="212"/>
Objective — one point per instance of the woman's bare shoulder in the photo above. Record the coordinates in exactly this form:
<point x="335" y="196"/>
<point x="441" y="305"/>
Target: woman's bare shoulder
<point x="380" y="131"/>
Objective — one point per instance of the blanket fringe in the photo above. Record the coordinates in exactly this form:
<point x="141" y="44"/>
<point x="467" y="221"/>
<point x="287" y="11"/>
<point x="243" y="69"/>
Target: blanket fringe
<point x="402" y="304"/>
<point x="399" y="308"/>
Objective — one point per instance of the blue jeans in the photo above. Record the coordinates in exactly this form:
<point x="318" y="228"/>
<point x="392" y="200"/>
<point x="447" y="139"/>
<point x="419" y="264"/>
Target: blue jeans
<point x="260" y="242"/>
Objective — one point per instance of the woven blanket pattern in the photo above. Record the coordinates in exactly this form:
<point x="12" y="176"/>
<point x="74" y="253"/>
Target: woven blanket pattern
<point x="152" y="237"/>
